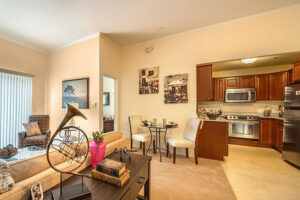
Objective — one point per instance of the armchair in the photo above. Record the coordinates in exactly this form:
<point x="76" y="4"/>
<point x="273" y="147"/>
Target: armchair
<point x="36" y="140"/>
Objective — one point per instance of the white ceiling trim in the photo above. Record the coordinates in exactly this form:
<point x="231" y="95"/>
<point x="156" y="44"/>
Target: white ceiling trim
<point x="76" y="41"/>
<point x="24" y="45"/>
<point x="288" y="8"/>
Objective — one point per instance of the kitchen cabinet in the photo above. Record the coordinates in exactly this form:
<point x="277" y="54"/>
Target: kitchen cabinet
<point x="265" y="131"/>
<point x="277" y="82"/>
<point x="290" y="77"/>
<point x="212" y="140"/>
<point x="232" y="83"/>
<point x="277" y="136"/>
<point x="247" y="81"/>
<point x="219" y="89"/>
<point x="204" y="83"/>
<point x="296" y="71"/>
<point x="262" y="87"/>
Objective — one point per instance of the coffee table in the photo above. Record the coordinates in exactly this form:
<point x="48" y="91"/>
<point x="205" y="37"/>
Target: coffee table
<point x="140" y="175"/>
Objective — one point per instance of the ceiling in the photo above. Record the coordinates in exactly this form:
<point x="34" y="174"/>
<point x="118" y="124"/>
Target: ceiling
<point x="50" y="24"/>
<point x="280" y="59"/>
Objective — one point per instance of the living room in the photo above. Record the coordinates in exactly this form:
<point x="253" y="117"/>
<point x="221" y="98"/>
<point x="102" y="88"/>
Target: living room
<point x="54" y="44"/>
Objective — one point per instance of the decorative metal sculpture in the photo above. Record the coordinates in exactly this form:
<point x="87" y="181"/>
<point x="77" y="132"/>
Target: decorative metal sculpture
<point x="124" y="151"/>
<point x="72" y="145"/>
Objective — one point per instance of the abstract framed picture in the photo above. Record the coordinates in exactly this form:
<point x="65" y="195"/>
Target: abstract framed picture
<point x="175" y="88"/>
<point x="148" y="80"/>
<point x="76" y="91"/>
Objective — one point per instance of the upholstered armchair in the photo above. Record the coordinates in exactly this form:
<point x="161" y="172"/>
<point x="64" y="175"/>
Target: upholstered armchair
<point x="36" y="140"/>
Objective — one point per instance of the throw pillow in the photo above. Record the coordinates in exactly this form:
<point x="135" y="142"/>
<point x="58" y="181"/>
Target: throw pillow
<point x="6" y="181"/>
<point x="32" y="128"/>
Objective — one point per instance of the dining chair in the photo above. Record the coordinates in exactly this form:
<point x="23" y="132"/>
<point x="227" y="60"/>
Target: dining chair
<point x="139" y="133"/>
<point x="187" y="140"/>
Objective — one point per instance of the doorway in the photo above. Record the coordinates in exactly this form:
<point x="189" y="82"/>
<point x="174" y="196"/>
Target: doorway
<point x="109" y="104"/>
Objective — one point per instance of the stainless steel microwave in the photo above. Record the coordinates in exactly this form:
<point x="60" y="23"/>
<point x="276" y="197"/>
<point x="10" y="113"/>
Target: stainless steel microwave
<point x="240" y="95"/>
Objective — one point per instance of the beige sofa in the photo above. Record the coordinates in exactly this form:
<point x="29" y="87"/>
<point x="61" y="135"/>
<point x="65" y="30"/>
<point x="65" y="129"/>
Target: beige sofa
<point x="28" y="172"/>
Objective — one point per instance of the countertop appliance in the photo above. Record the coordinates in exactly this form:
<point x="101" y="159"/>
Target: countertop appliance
<point x="291" y="126"/>
<point x="240" y="95"/>
<point x="243" y="126"/>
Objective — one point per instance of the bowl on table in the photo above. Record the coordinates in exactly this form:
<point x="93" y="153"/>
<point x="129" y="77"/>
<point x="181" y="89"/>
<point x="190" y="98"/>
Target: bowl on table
<point x="212" y="116"/>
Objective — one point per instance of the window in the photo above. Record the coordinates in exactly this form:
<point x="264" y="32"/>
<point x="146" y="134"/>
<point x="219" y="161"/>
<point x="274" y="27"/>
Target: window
<point x="15" y="106"/>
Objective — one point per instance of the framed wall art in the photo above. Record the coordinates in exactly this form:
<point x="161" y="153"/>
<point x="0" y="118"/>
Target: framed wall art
<point x="175" y="88"/>
<point x="76" y="91"/>
<point x="148" y="80"/>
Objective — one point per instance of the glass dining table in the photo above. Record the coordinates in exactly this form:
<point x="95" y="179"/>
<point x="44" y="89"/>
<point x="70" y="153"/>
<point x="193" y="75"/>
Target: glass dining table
<point x="159" y="129"/>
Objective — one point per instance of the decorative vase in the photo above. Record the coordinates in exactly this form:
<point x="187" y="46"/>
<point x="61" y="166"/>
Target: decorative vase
<point x="97" y="151"/>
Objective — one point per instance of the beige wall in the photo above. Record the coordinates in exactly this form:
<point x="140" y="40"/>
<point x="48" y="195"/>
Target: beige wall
<point x="77" y="61"/>
<point x="264" y="35"/>
<point x="252" y="71"/>
<point x="110" y="66"/>
<point x="21" y="59"/>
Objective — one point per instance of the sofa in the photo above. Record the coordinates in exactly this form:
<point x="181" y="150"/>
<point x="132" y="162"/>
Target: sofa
<point x="28" y="172"/>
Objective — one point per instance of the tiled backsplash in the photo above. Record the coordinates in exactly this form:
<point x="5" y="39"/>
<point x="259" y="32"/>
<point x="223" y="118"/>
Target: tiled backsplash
<point x="256" y="107"/>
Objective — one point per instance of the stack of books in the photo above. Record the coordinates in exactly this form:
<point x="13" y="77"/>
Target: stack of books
<point x="111" y="171"/>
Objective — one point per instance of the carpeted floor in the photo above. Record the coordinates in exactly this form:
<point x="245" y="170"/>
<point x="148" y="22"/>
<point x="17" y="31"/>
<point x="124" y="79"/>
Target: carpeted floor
<point x="185" y="180"/>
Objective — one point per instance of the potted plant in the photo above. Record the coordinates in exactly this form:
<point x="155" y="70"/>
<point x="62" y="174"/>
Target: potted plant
<point x="97" y="147"/>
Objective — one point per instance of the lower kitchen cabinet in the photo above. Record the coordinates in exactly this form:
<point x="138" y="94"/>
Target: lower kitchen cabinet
<point x="277" y="134"/>
<point x="212" y="140"/>
<point x="271" y="132"/>
<point x="265" y="131"/>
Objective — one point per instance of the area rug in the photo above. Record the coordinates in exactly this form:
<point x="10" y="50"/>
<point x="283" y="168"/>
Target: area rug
<point x="185" y="180"/>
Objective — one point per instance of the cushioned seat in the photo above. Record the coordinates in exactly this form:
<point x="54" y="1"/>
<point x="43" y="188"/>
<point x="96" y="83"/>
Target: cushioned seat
<point x="143" y="137"/>
<point x="35" y="140"/>
<point x="180" y="142"/>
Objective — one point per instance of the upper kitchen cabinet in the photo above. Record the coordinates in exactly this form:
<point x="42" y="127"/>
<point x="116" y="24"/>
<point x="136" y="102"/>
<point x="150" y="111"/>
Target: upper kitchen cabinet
<point x="232" y="83"/>
<point x="219" y="89"/>
<point x="277" y="82"/>
<point x="290" y="77"/>
<point x="262" y="87"/>
<point x="247" y="82"/>
<point x="296" y="71"/>
<point x="204" y="83"/>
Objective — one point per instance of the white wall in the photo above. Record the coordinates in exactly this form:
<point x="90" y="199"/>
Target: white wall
<point x="21" y="59"/>
<point x="252" y="37"/>
<point x="110" y="66"/>
<point x="109" y="86"/>
<point x="77" y="61"/>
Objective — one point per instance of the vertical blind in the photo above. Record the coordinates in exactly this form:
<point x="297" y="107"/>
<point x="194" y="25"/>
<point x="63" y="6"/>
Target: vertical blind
<point x="15" y="106"/>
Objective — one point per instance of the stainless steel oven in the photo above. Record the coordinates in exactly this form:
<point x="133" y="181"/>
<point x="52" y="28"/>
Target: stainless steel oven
<point x="244" y="127"/>
<point x="240" y="95"/>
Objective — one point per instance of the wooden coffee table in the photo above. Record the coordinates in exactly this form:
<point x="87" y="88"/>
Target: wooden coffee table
<point x="139" y="176"/>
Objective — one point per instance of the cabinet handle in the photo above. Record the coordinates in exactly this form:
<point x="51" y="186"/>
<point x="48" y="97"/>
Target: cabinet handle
<point x="141" y="177"/>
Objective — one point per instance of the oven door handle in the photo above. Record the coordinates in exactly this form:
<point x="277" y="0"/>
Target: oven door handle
<point x="249" y="96"/>
<point x="244" y="122"/>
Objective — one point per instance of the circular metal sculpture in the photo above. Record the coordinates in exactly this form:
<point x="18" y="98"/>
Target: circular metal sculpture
<point x="72" y="147"/>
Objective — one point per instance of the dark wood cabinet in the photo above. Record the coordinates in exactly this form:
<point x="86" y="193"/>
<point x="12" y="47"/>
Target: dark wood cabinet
<point x="277" y="134"/>
<point x="277" y="82"/>
<point x="290" y="77"/>
<point x="212" y="140"/>
<point x="219" y="89"/>
<point x="108" y="125"/>
<point x="265" y="131"/>
<point x="232" y="82"/>
<point x="247" y="81"/>
<point x="296" y="71"/>
<point x="262" y="87"/>
<point x="204" y="83"/>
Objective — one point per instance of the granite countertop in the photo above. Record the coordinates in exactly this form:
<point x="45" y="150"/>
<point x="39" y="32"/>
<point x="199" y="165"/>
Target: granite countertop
<point x="260" y="115"/>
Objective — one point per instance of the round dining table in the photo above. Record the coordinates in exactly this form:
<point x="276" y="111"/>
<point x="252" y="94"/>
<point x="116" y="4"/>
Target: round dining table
<point x="159" y="129"/>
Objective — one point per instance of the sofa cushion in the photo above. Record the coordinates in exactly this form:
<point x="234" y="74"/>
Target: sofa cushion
<point x="112" y="136"/>
<point x="32" y="128"/>
<point x="6" y="181"/>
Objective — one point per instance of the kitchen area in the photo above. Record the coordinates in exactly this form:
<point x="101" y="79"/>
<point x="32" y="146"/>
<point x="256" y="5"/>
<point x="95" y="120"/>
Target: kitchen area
<point x="250" y="102"/>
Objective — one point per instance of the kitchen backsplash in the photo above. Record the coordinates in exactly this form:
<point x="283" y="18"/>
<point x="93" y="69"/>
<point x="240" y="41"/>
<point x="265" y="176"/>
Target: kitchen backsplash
<point x="256" y="107"/>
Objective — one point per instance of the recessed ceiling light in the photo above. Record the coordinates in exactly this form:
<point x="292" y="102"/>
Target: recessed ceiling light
<point x="248" y="60"/>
